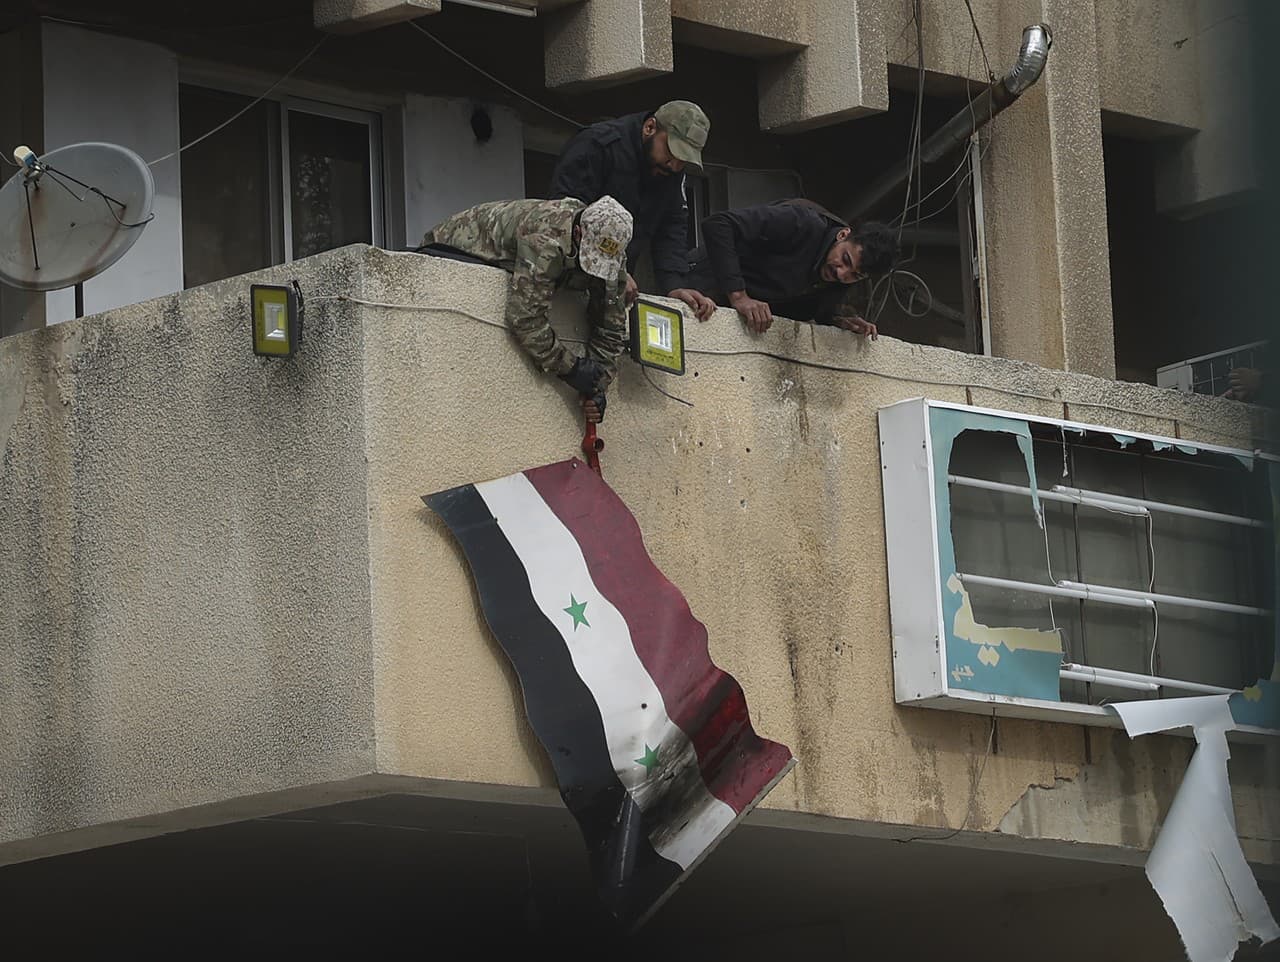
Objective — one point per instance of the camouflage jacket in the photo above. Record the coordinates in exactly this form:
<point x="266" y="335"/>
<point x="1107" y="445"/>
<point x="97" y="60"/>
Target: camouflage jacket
<point x="533" y="239"/>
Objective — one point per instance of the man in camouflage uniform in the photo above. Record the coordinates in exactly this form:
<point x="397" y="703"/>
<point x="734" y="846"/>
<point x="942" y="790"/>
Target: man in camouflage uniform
<point x="546" y="244"/>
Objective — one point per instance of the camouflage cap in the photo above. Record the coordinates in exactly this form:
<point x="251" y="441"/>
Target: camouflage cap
<point x="606" y="232"/>
<point x="687" y="128"/>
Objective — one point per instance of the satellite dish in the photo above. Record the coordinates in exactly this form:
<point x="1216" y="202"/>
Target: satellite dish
<point x="71" y="214"/>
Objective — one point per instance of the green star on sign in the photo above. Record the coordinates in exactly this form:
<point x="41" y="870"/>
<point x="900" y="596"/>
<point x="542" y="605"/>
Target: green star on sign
<point x="649" y="760"/>
<point x="577" y="611"/>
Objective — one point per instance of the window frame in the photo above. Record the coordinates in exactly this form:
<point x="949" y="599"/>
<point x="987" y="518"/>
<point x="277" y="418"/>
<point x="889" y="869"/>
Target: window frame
<point x="382" y="113"/>
<point x="919" y="639"/>
<point x="354" y="115"/>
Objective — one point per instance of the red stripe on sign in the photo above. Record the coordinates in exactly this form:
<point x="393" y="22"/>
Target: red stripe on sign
<point x="737" y="765"/>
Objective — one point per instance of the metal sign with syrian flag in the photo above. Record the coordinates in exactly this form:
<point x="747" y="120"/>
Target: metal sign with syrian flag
<point x="651" y="743"/>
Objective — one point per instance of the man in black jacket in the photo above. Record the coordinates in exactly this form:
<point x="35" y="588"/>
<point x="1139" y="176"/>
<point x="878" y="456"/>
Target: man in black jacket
<point x="791" y="256"/>
<point x="639" y="160"/>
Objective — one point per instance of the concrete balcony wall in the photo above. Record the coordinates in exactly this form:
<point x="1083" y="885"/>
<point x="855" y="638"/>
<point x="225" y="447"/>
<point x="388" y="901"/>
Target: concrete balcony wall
<point x="221" y="592"/>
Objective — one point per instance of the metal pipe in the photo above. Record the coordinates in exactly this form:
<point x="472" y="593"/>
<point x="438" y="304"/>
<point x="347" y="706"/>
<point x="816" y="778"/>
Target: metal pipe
<point x="1036" y="41"/>
<point x="1116" y="501"/>
<point x="591" y="447"/>
<point x="1055" y="494"/>
<point x="1113" y="676"/>
<point x="1063" y="589"/>
<point x="1080" y="673"/>
<point x="1176" y="600"/>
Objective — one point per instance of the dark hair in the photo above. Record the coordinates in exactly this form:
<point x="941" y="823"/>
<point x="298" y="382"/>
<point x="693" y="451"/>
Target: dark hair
<point x="879" y="244"/>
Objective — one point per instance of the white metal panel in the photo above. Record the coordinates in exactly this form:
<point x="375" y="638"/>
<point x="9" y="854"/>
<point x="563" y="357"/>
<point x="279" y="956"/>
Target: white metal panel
<point x="1080" y="426"/>
<point x="911" y="543"/>
<point x="914" y="584"/>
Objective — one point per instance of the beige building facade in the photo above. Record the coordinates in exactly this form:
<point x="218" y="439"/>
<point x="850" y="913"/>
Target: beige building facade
<point x="234" y="630"/>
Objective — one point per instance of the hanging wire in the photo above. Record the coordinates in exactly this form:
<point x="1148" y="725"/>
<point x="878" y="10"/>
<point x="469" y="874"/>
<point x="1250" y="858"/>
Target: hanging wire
<point x="983" y="47"/>
<point x="484" y="73"/>
<point x="654" y="384"/>
<point x="107" y="200"/>
<point x="240" y="113"/>
<point x="1048" y="561"/>
<point x="802" y="362"/>
<point x="973" y="794"/>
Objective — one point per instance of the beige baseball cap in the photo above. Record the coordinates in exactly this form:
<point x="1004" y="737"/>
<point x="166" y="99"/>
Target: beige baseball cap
<point x="606" y="232"/>
<point x="687" y="128"/>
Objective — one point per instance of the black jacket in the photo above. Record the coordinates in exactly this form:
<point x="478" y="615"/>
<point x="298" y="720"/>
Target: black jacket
<point x="609" y="158"/>
<point x="774" y="252"/>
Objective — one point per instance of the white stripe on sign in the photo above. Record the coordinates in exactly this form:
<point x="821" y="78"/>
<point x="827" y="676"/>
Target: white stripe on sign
<point x="634" y="714"/>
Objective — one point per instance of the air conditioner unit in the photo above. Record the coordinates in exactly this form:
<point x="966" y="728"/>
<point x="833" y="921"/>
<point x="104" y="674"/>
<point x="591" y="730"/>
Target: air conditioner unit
<point x="1210" y="373"/>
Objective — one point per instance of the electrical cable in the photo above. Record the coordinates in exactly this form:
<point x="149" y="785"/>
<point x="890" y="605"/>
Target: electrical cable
<point x="1044" y="527"/>
<point x="973" y="795"/>
<point x="654" y="384"/>
<point x="106" y="200"/>
<point x="914" y="137"/>
<point x="579" y="125"/>
<point x="920" y="286"/>
<point x="802" y="362"/>
<point x="484" y="73"/>
<point x="1151" y="587"/>
<point x="240" y="113"/>
<point x="964" y="160"/>
<point x="983" y="47"/>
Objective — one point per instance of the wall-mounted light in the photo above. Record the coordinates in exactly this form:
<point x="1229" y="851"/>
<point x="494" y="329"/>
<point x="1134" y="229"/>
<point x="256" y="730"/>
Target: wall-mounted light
<point x="657" y="337"/>
<point x="277" y="328"/>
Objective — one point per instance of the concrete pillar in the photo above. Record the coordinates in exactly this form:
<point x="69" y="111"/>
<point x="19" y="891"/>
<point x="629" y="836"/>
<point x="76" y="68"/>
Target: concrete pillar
<point x="604" y="42"/>
<point x="1045" y="204"/>
<point x="840" y="75"/>
<point x="355" y="16"/>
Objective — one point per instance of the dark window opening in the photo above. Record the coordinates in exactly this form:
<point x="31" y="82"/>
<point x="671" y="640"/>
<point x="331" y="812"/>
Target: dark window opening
<point x="1181" y="288"/>
<point x="226" y="178"/>
<point x="285" y="180"/>
<point x="938" y="238"/>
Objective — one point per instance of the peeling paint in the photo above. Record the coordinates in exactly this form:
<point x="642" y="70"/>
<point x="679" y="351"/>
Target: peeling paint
<point x="1030" y="667"/>
<point x="1014" y="639"/>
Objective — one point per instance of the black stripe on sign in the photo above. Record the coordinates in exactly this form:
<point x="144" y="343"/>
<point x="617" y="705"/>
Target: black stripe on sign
<point x="630" y="875"/>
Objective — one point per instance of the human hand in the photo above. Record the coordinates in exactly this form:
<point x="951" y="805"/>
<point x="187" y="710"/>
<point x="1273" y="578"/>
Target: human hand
<point x="858" y="325"/>
<point x="585" y="375"/>
<point x="632" y="290"/>
<point x="1245" y="383"/>
<point x="703" y="306"/>
<point x="755" y="314"/>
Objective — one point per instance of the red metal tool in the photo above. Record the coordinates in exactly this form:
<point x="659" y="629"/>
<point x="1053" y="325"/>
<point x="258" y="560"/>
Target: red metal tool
<point x="591" y="447"/>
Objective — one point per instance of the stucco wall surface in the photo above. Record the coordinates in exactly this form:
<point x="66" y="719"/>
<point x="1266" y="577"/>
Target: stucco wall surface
<point x="184" y="587"/>
<point x="1149" y="59"/>
<point x="222" y="581"/>
<point x="762" y="502"/>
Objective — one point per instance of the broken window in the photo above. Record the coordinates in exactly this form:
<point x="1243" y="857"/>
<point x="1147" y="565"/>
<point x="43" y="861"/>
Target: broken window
<point x="1074" y="566"/>
<point x="1117" y="545"/>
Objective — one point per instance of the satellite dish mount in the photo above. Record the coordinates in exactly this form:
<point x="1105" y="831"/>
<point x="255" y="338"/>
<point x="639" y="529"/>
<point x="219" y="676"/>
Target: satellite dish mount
<point x="54" y="236"/>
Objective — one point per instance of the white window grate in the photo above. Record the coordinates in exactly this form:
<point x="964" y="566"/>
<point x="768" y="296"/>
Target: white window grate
<point x="1148" y="571"/>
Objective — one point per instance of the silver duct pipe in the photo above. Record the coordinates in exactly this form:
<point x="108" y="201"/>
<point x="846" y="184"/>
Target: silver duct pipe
<point x="1036" y="41"/>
